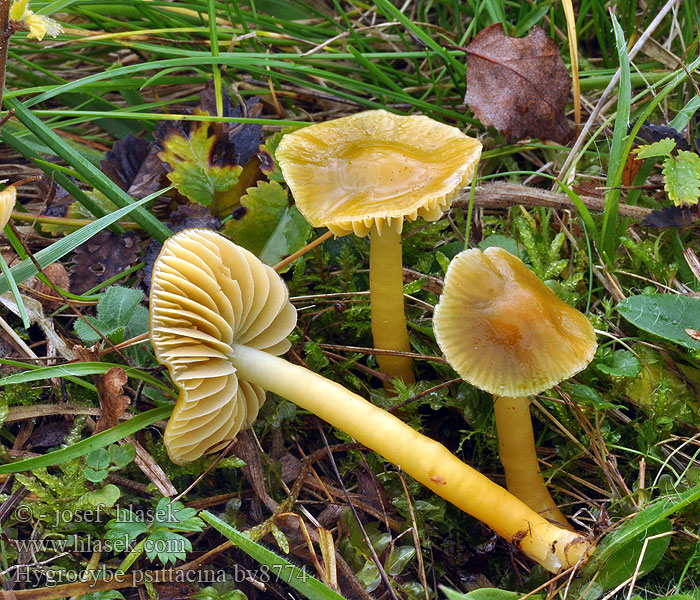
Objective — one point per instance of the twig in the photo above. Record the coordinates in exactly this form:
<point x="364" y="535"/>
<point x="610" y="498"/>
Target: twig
<point x="504" y="195"/>
<point x="304" y="250"/>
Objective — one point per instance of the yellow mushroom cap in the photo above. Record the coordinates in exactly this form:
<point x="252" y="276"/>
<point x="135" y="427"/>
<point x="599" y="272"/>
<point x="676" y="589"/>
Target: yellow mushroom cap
<point x="376" y="168"/>
<point x="8" y="197"/>
<point x="208" y="294"/>
<point x="505" y="331"/>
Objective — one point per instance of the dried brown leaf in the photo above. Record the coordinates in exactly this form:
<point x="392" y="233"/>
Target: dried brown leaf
<point x="133" y="164"/>
<point x="101" y="258"/>
<point x="518" y="85"/>
<point x="110" y="388"/>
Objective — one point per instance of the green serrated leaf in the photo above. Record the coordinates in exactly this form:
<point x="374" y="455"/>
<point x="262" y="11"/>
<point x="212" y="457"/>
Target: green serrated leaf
<point x="188" y="151"/>
<point x="125" y="525"/>
<point x="269" y="227"/>
<point x="661" y="148"/>
<point x="682" y="177"/>
<point x="115" y="309"/>
<point x="622" y="363"/>
<point x="664" y="315"/>
<point x="167" y="546"/>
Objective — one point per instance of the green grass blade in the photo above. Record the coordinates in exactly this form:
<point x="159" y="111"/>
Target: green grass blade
<point x="280" y="568"/>
<point x="99" y="440"/>
<point x="45" y="257"/>
<point x="609" y="230"/>
<point x="88" y="171"/>
<point x="15" y="293"/>
<point x="79" y="369"/>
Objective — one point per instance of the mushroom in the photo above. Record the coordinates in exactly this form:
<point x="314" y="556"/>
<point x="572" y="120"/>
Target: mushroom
<point x="506" y="332"/>
<point x="219" y="317"/>
<point x="366" y="173"/>
<point x="8" y="197"/>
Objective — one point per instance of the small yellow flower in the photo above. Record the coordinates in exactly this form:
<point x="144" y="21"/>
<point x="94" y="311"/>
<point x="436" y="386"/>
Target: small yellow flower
<point x="39" y="26"/>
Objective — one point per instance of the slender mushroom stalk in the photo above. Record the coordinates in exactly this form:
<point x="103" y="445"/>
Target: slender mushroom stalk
<point x="219" y="317"/>
<point x="506" y="332"/>
<point x="369" y="172"/>
<point x="386" y="301"/>
<point x="516" y="449"/>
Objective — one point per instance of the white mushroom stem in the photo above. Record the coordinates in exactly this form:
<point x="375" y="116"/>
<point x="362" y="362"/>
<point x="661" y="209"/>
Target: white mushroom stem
<point x="516" y="448"/>
<point x="386" y="298"/>
<point x="424" y="459"/>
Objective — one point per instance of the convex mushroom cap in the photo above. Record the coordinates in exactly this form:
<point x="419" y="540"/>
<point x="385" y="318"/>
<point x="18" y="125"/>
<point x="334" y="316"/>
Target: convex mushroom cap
<point x="376" y="168"/>
<point x="505" y="331"/>
<point x="208" y="294"/>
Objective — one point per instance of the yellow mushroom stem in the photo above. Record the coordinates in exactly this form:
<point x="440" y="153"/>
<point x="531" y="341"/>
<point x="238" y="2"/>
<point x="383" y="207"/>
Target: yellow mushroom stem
<point x="424" y="459"/>
<point x="386" y="298"/>
<point x="516" y="448"/>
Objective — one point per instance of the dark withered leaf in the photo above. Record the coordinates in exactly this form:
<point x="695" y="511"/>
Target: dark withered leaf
<point x="650" y="133"/>
<point x="49" y="435"/>
<point x="241" y="140"/>
<point x="518" y="85"/>
<point x="133" y="164"/>
<point x="101" y="258"/>
<point x="205" y="161"/>
<point x="671" y="216"/>
<point x="52" y="194"/>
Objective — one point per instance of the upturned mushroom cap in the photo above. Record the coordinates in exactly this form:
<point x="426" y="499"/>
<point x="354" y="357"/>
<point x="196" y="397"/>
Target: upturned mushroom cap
<point x="376" y="168"/>
<point x="505" y="331"/>
<point x="208" y="294"/>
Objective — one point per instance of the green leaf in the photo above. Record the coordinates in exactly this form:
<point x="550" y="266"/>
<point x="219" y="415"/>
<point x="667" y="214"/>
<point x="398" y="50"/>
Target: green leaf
<point x="105" y="496"/>
<point x="682" y="177"/>
<point x="623" y="563"/>
<point x="125" y="525"/>
<point x="485" y="594"/>
<point x="95" y="475"/>
<point x="89" y="172"/>
<point x="196" y="171"/>
<point x="624" y="540"/>
<point x="115" y="309"/>
<point x="665" y="315"/>
<point x="587" y="396"/>
<point x="661" y="148"/>
<point x="502" y="241"/>
<point x="281" y="568"/>
<point x="120" y="456"/>
<point x="267" y="225"/>
<point x="622" y="363"/>
<point x="98" y="459"/>
<point x="167" y="546"/>
<point x="176" y="517"/>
